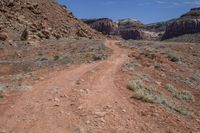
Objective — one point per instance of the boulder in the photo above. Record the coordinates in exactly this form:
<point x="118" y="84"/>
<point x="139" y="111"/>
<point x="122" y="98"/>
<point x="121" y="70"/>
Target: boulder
<point x="56" y="35"/>
<point x="81" y="33"/>
<point x="10" y="3"/>
<point x="3" y="36"/>
<point x="46" y="34"/>
<point x="24" y="35"/>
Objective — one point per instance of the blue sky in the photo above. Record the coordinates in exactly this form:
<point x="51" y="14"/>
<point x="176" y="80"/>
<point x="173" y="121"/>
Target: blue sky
<point x="147" y="11"/>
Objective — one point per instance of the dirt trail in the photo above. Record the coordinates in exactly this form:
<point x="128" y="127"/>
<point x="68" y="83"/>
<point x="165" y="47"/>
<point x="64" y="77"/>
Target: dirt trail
<point x="84" y="99"/>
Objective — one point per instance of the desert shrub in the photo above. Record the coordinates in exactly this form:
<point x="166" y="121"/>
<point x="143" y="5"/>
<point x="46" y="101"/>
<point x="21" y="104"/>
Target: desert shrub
<point x="40" y="53"/>
<point x="183" y="111"/>
<point x="128" y="67"/>
<point x="2" y="87"/>
<point x="144" y="93"/>
<point x="181" y="95"/>
<point x="56" y="57"/>
<point x="151" y="95"/>
<point x="158" y="65"/>
<point x="174" y="57"/>
<point x="97" y="57"/>
<point x="1" y="95"/>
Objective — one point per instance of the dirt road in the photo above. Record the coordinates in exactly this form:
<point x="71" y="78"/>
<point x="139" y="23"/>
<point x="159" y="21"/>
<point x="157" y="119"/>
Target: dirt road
<point x="84" y="99"/>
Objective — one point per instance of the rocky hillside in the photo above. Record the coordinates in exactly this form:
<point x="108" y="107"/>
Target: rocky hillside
<point x="38" y="20"/>
<point x="41" y="33"/>
<point x="188" y="23"/>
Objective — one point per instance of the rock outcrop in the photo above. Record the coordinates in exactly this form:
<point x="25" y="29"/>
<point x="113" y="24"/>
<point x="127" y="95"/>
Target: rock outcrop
<point x="3" y="36"/>
<point x="103" y="25"/>
<point x="188" y="23"/>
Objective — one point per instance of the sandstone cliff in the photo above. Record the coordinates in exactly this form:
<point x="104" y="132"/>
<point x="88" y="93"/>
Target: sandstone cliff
<point x="125" y="28"/>
<point x="103" y="25"/>
<point x="188" y="23"/>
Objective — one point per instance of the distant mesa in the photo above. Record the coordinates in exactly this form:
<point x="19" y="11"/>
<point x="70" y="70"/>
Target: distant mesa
<point x="126" y="28"/>
<point x="188" y="23"/>
<point x="103" y="25"/>
<point x="159" y="26"/>
<point x="129" y="23"/>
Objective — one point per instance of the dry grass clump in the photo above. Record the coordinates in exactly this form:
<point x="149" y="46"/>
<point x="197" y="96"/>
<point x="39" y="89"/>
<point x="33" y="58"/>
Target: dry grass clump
<point x="1" y="96"/>
<point x="181" y="95"/>
<point x="151" y="95"/>
<point x="144" y="93"/>
<point x="173" y="56"/>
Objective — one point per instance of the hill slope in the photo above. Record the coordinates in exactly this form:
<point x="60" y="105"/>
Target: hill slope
<point x="36" y="19"/>
<point x="37" y="33"/>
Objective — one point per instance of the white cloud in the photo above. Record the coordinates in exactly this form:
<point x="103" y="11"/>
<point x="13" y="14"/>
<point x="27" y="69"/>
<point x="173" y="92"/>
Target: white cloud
<point x="161" y="2"/>
<point x="109" y="2"/>
<point x="144" y="3"/>
<point x="171" y="3"/>
<point x="193" y="2"/>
